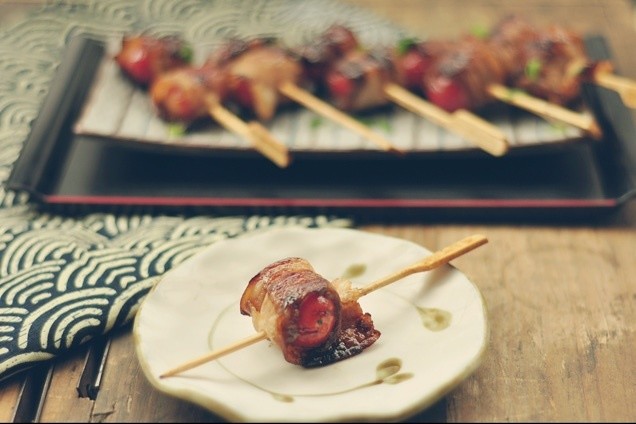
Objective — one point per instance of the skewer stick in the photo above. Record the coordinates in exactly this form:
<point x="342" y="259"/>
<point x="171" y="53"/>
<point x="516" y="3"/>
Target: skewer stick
<point x="482" y="133"/>
<point x="417" y="105"/>
<point x="231" y="348"/>
<point x="312" y="102"/>
<point x="435" y="260"/>
<point x="489" y="135"/>
<point x="254" y="132"/>
<point x="546" y="109"/>
<point x="625" y="87"/>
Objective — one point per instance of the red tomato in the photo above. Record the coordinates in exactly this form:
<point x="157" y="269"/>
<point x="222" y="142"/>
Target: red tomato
<point x="316" y="320"/>
<point x="242" y="93"/>
<point x="339" y="86"/>
<point x="414" y="67"/>
<point x="136" y="62"/>
<point x="448" y="94"/>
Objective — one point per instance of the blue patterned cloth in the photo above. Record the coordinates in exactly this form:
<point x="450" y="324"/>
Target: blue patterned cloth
<point x="65" y="280"/>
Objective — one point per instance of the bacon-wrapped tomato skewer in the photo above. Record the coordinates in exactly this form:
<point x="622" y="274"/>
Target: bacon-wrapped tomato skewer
<point x="410" y="67"/>
<point x="457" y="76"/>
<point x="314" y="322"/>
<point x="353" y="79"/>
<point x="183" y="93"/>
<point x="188" y="94"/>
<point x="551" y="62"/>
<point x="262" y="75"/>
<point x="468" y="74"/>
<point x="310" y="318"/>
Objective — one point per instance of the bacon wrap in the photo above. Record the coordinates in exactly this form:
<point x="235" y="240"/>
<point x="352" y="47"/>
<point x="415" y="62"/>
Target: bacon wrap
<point x="185" y="94"/>
<point x="255" y="69"/>
<point x="356" y="81"/>
<point x="304" y="314"/>
<point x="413" y="60"/>
<point x="317" y="56"/>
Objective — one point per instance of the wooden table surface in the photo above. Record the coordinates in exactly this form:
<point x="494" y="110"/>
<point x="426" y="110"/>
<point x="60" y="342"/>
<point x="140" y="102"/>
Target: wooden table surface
<point x="561" y="299"/>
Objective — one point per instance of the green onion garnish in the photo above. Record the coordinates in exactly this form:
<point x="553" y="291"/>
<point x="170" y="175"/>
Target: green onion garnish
<point x="405" y="44"/>
<point x="480" y="31"/>
<point x="533" y="69"/>
<point x="176" y="129"/>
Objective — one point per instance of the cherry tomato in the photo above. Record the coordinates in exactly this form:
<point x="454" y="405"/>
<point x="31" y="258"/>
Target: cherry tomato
<point x="243" y="93"/>
<point x="414" y="67"/>
<point x="316" y="320"/>
<point x="136" y="62"/>
<point x="339" y="86"/>
<point x="448" y="94"/>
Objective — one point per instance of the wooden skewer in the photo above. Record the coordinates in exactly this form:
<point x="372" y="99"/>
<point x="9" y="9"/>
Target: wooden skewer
<point x="490" y="136"/>
<point x="626" y="88"/>
<point x="435" y="260"/>
<point x="470" y="127"/>
<point x="417" y="105"/>
<point x="313" y="103"/>
<point x="254" y="132"/>
<point x="546" y="109"/>
<point x="605" y="77"/>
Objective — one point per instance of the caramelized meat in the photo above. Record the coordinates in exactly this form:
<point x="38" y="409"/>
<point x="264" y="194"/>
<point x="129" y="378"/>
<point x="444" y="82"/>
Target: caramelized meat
<point x="461" y="75"/>
<point x="356" y="81"/>
<point x="313" y="321"/>
<point x="317" y="56"/>
<point x="255" y="69"/>
<point x="185" y="94"/>
<point x="412" y="60"/>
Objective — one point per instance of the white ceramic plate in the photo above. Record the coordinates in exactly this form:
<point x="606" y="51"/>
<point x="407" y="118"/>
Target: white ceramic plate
<point x="434" y="331"/>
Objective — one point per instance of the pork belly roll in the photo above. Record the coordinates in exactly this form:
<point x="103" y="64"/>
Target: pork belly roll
<point x="303" y="313"/>
<point x="413" y="60"/>
<point x="255" y="69"/>
<point x="356" y="81"/>
<point x="186" y="94"/>
<point x="298" y="309"/>
<point x="317" y="56"/>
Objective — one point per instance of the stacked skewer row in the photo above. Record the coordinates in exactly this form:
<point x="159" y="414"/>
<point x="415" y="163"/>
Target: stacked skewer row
<point x="541" y="70"/>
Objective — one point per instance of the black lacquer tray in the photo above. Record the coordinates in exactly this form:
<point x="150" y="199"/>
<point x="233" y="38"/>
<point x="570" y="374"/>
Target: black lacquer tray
<point x="64" y="170"/>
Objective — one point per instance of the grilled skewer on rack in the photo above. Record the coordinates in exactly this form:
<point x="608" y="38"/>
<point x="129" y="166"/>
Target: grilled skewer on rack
<point x="354" y="78"/>
<point x="262" y="75"/>
<point x="184" y="93"/>
<point x="443" y="80"/>
<point x="469" y="74"/>
<point x="551" y="62"/>
<point x="258" y="75"/>
<point x="540" y="69"/>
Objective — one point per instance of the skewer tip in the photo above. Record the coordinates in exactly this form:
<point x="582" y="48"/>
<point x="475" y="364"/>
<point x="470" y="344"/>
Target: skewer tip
<point x="396" y="151"/>
<point x="595" y="130"/>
